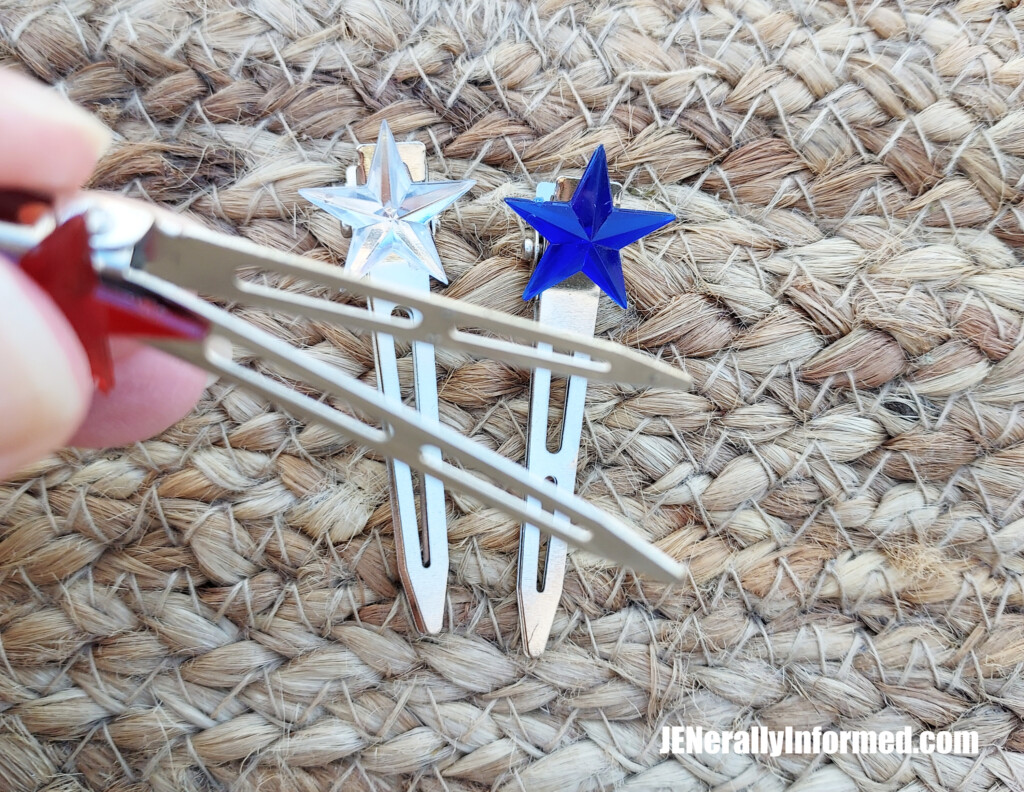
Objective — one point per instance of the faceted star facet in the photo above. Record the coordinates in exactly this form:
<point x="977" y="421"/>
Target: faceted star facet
<point x="586" y="233"/>
<point x="389" y="214"/>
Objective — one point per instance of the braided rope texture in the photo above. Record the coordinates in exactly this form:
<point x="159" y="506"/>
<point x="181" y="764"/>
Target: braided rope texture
<point x="218" y="608"/>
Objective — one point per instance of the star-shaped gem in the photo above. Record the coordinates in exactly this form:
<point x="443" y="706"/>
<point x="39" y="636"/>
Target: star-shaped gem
<point x="586" y="233"/>
<point x="62" y="265"/>
<point x="389" y="214"/>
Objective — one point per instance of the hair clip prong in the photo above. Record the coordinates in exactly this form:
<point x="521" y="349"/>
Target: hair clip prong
<point x="584" y="232"/>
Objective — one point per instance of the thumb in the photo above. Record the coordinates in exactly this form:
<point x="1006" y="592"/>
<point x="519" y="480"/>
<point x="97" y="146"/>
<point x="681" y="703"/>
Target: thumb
<point x="45" y="386"/>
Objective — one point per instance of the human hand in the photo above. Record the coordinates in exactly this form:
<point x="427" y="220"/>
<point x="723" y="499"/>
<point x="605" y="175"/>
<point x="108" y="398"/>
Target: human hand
<point x="47" y="397"/>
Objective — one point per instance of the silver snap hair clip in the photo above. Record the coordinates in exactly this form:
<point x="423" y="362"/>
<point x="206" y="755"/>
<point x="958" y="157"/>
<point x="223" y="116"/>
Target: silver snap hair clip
<point x="115" y="266"/>
<point x="388" y="205"/>
<point x="584" y="232"/>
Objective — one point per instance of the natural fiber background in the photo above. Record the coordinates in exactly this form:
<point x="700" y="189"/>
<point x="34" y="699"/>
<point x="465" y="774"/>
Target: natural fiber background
<point x="217" y="608"/>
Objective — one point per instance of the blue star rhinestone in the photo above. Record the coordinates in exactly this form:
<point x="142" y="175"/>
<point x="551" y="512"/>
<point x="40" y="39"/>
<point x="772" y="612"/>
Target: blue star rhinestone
<point x="586" y="233"/>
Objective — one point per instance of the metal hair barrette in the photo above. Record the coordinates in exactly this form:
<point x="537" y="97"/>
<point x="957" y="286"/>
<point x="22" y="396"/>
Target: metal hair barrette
<point x="388" y="205"/>
<point x="584" y="232"/>
<point x="120" y="267"/>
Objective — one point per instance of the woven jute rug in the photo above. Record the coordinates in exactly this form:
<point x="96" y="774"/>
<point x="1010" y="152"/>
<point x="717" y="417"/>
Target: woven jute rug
<point x="218" y="608"/>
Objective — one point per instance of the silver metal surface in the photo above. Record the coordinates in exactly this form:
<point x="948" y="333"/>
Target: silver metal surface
<point x="210" y="263"/>
<point x="570" y="306"/>
<point x="421" y="529"/>
<point x="213" y="264"/>
<point x="420" y="524"/>
<point x="17" y="239"/>
<point x="407" y="436"/>
<point x="171" y="259"/>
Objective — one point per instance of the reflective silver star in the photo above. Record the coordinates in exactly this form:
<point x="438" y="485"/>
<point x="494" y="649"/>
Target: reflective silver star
<point x="389" y="214"/>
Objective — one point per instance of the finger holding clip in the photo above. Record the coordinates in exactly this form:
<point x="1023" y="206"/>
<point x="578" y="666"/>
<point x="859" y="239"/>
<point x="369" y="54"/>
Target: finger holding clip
<point x="388" y="204"/>
<point x="58" y="254"/>
<point x="584" y="233"/>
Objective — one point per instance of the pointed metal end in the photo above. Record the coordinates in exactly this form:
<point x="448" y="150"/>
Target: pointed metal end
<point x="657" y="564"/>
<point x="427" y="603"/>
<point x="538" y="606"/>
<point x="662" y="375"/>
<point x="633" y="367"/>
<point x="537" y="611"/>
<point x="625" y="545"/>
<point x="536" y="627"/>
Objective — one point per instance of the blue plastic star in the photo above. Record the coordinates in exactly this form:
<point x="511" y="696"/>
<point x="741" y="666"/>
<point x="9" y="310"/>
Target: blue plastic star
<point x="586" y="233"/>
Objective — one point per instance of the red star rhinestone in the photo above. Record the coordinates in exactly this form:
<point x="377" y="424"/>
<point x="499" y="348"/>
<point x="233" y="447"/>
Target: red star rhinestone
<point x="62" y="265"/>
